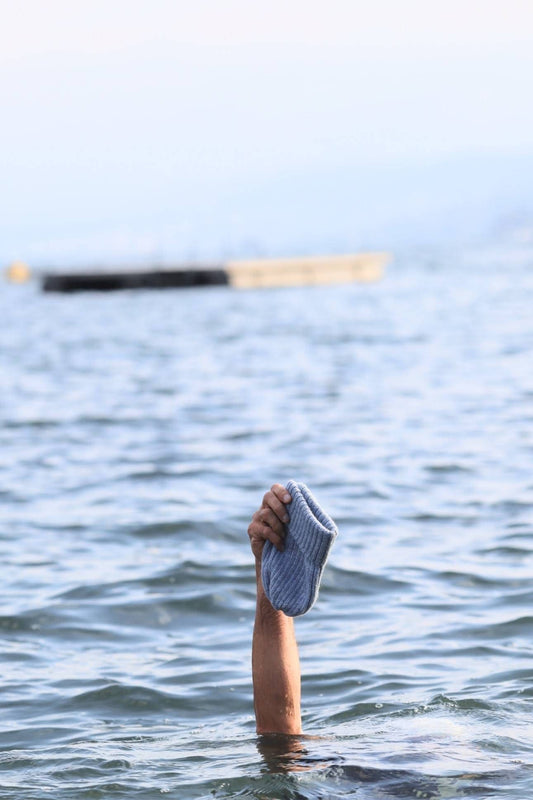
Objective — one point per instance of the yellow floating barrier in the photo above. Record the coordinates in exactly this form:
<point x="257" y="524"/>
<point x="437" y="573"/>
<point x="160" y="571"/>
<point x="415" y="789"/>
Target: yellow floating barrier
<point x="18" y="272"/>
<point x="306" y="270"/>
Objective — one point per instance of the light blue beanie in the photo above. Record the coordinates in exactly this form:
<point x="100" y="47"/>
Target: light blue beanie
<point x="291" y="579"/>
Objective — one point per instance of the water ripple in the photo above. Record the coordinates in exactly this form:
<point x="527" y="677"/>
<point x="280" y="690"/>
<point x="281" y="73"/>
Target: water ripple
<point x="139" y="432"/>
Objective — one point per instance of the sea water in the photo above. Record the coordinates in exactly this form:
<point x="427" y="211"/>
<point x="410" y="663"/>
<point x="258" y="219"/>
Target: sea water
<point x="139" y="433"/>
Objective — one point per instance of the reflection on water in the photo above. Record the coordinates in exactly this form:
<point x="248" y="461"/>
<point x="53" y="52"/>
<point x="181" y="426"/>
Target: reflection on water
<point x="286" y="753"/>
<point x="139" y="432"/>
<point x="332" y="775"/>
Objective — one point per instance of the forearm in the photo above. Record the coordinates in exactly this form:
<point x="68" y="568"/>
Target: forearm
<point x="275" y="667"/>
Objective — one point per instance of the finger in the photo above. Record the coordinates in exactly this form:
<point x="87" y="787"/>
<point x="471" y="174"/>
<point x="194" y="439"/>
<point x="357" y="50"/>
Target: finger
<point x="281" y="493"/>
<point x="267" y="516"/>
<point x="259" y="532"/>
<point x="271" y="501"/>
<point x="255" y="526"/>
<point x="267" y="533"/>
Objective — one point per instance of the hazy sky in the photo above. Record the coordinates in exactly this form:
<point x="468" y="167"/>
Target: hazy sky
<point x="172" y="129"/>
<point x="107" y="25"/>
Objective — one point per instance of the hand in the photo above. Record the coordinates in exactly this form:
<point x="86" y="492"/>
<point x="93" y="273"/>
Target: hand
<point x="268" y="522"/>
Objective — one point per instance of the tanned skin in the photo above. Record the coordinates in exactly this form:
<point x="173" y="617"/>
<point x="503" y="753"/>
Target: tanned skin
<point x="275" y="661"/>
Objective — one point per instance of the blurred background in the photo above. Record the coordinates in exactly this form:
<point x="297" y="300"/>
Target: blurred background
<point x="139" y="430"/>
<point x="171" y="130"/>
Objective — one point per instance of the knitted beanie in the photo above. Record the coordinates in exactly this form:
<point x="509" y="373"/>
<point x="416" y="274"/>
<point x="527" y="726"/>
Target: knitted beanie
<point x="291" y="578"/>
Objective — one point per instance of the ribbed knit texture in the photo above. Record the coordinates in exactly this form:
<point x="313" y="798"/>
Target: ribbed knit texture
<point x="291" y="579"/>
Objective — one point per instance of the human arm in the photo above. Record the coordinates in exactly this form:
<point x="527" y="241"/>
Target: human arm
<point x="275" y="661"/>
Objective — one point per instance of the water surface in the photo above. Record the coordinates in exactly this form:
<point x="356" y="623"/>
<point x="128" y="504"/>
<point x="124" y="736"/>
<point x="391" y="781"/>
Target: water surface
<point x="139" y="432"/>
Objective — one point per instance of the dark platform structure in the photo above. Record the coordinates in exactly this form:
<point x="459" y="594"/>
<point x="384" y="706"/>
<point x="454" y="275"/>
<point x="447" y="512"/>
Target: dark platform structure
<point x="181" y="278"/>
<point x="258" y="273"/>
